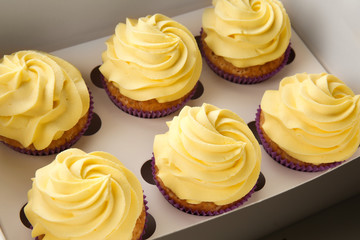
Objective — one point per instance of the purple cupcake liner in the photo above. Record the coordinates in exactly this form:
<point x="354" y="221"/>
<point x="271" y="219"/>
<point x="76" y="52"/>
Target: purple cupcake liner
<point x="146" y="114"/>
<point x="146" y="213"/>
<point x="198" y="213"/>
<point x="274" y="155"/>
<point x="63" y="147"/>
<point x="243" y="80"/>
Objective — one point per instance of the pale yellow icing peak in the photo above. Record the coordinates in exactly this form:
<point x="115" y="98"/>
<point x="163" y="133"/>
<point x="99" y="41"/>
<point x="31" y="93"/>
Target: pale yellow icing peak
<point x="153" y="57"/>
<point x="313" y="117"/>
<point x="247" y="32"/>
<point x="208" y="155"/>
<point x="82" y="196"/>
<point x="41" y="96"/>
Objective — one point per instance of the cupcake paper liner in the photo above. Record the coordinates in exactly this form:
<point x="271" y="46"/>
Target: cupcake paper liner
<point x="243" y="80"/>
<point x="62" y="147"/>
<point x="146" y="114"/>
<point x="198" y="213"/>
<point x="274" y="155"/>
<point x="146" y="212"/>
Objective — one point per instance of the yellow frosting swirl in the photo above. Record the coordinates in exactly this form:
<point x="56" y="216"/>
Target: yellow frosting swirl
<point x="314" y="118"/>
<point x="247" y="32"/>
<point x="84" y="196"/>
<point x="41" y="96"/>
<point x="208" y="155"/>
<point x="153" y="57"/>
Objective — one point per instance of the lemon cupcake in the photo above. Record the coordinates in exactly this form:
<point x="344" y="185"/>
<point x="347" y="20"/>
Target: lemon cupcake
<point x="45" y="105"/>
<point x="151" y="66"/>
<point x="246" y="41"/>
<point x="311" y="123"/>
<point x="86" y="196"/>
<point x="208" y="162"/>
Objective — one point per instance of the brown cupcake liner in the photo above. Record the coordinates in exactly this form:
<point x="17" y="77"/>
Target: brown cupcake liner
<point x="243" y="80"/>
<point x="146" y="114"/>
<point x="196" y="212"/>
<point x="62" y="147"/>
<point x="285" y="162"/>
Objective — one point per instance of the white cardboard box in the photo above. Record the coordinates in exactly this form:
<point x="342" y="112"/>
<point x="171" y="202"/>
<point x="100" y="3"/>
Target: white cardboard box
<point x="287" y="196"/>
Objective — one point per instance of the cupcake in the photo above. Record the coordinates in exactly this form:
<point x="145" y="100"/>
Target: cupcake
<point x="86" y="196"/>
<point x="208" y="162"/>
<point x="45" y="105"/>
<point x="246" y="41"/>
<point x="151" y="66"/>
<point x="311" y="123"/>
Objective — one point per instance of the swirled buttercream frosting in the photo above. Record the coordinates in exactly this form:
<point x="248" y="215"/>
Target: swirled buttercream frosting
<point x="152" y="57"/>
<point x="41" y="97"/>
<point x="314" y="118"/>
<point x="208" y="155"/>
<point x="247" y="32"/>
<point x="84" y="196"/>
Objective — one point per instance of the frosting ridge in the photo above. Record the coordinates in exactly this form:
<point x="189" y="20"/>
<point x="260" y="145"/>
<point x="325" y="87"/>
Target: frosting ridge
<point x="153" y="57"/>
<point x="41" y="96"/>
<point x="208" y="155"/>
<point x="84" y="196"/>
<point x="317" y="112"/>
<point x="253" y="31"/>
